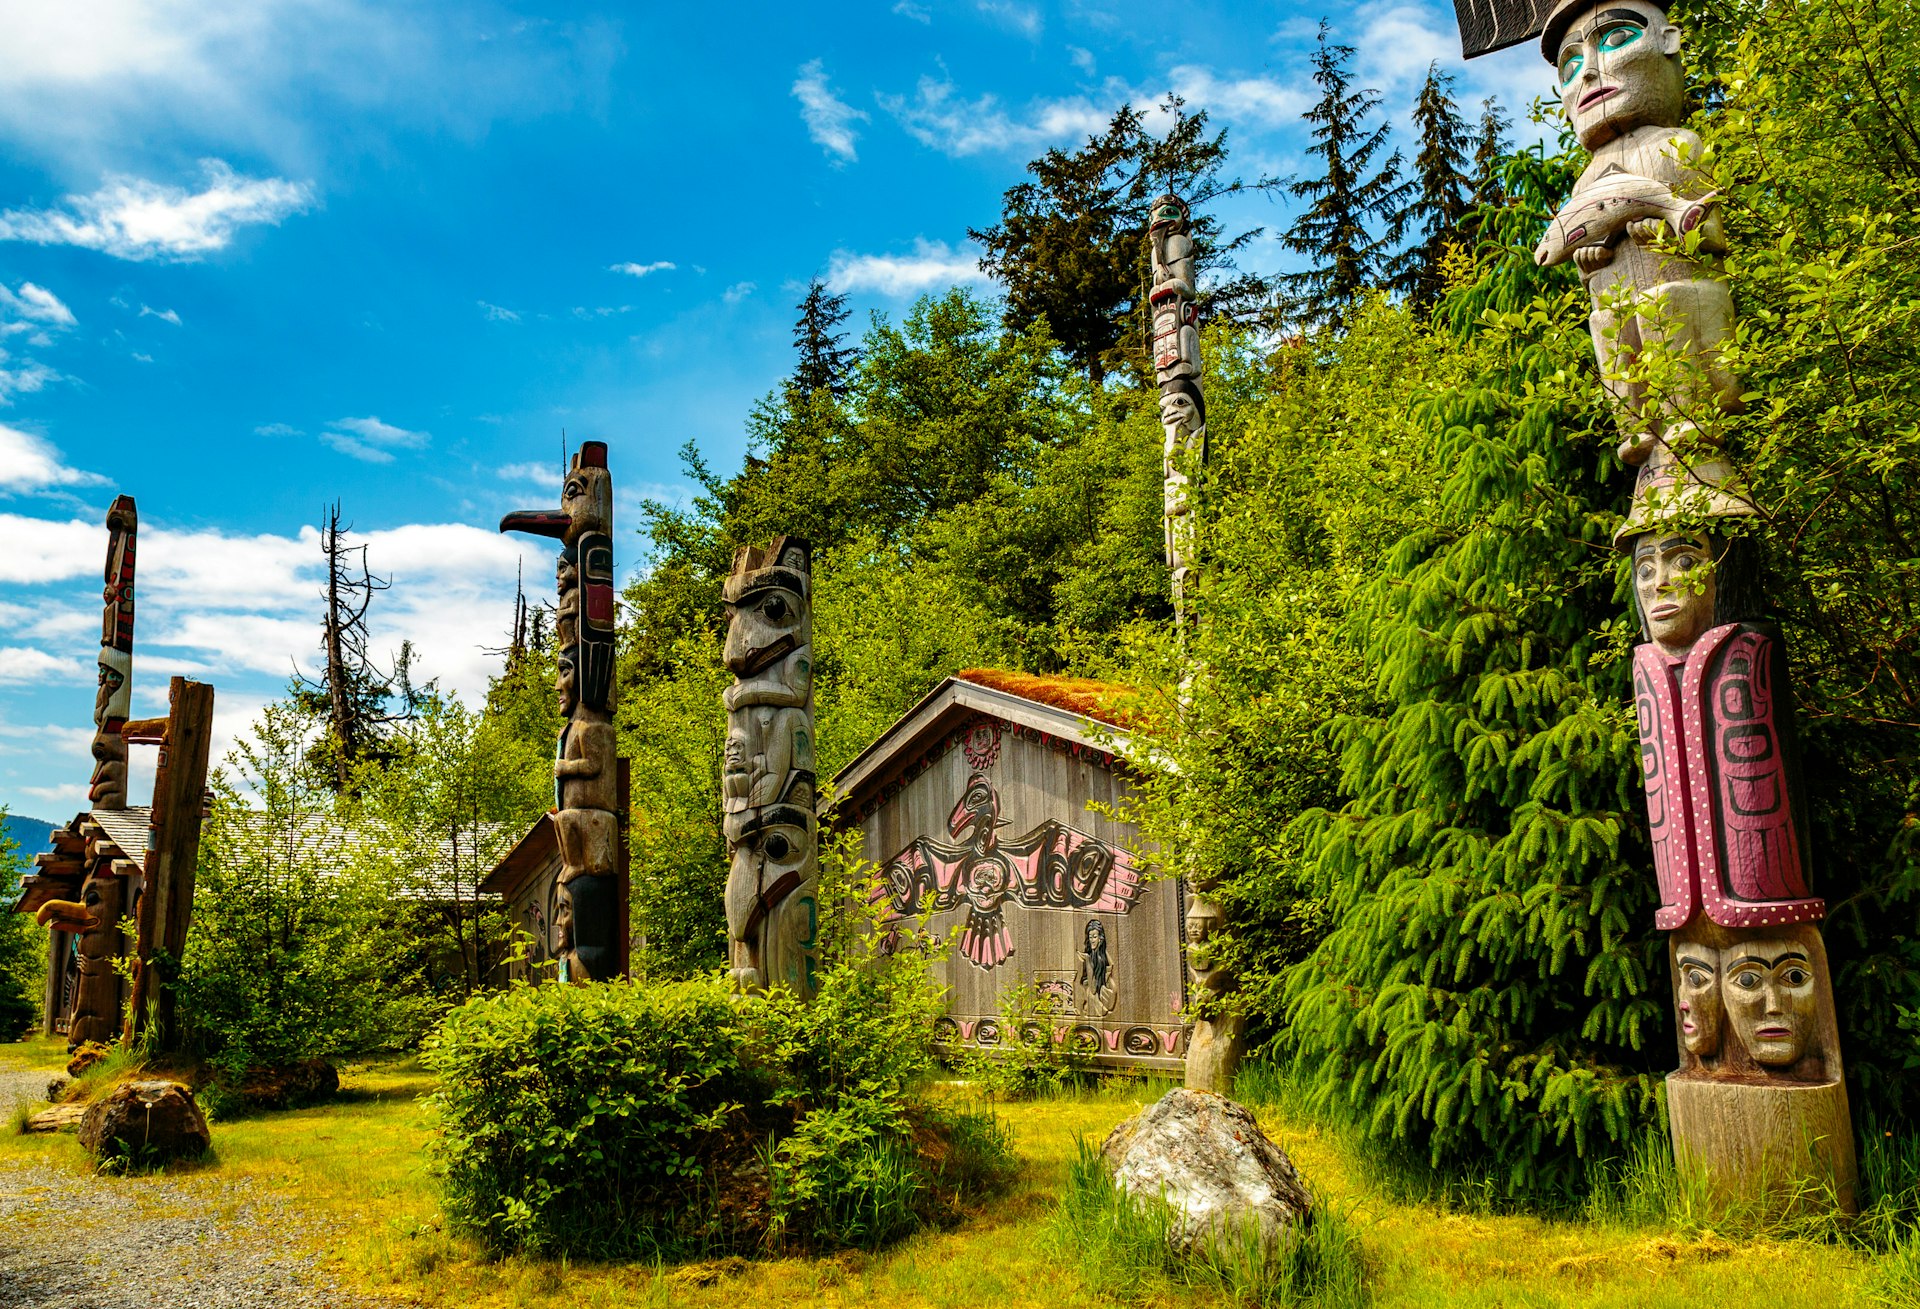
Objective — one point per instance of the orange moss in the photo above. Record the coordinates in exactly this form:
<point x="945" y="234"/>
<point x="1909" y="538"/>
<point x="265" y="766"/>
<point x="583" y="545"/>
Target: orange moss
<point x="1106" y="702"/>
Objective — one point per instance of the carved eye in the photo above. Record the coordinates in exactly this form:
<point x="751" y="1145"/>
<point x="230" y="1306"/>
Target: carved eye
<point x="1796" y="977"/>
<point x="1748" y="980"/>
<point x="1615" y="38"/>
<point x="1697" y="977"/>
<point x="778" y="847"/>
<point x="1570" y="66"/>
<point x="775" y="609"/>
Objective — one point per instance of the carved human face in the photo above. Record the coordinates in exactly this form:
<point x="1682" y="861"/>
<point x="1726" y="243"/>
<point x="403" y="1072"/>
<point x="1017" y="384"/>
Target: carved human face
<point x="566" y="684"/>
<point x="1619" y="69"/>
<point x="737" y="773"/>
<point x="1697" y="996"/>
<point x="1769" y="991"/>
<point x="562" y="921"/>
<point x="586" y="497"/>
<point x="1096" y="936"/>
<point x="1673" y="583"/>
<point x="113" y="699"/>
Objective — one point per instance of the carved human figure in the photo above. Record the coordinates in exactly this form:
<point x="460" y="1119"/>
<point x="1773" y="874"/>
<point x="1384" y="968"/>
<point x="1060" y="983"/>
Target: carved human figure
<point x="1771" y="996"/>
<point x="107" y="788"/>
<point x="1697" y="998"/>
<point x="1094" y="987"/>
<point x="767" y="786"/>
<point x="1623" y="90"/>
<point x="93" y="921"/>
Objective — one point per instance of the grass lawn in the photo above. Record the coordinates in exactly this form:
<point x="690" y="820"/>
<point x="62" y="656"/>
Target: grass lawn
<point x="358" y="1164"/>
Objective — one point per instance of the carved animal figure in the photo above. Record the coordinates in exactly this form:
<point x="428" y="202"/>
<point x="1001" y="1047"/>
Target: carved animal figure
<point x="1599" y="214"/>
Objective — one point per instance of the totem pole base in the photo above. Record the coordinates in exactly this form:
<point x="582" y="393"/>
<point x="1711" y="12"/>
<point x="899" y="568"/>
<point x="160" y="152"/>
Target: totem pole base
<point x="1788" y="1148"/>
<point x="1213" y="1053"/>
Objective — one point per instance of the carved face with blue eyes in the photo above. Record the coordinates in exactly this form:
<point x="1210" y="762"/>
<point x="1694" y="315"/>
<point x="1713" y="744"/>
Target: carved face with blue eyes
<point x="1619" y="69"/>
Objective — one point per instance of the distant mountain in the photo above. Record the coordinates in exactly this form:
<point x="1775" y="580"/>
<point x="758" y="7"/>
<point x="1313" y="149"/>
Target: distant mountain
<point x="33" y="834"/>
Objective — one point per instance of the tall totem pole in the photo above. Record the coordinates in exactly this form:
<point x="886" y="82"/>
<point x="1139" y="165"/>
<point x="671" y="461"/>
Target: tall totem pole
<point x="1759" y="1100"/>
<point x="1219" y="1033"/>
<point x="767" y="787"/>
<point x="589" y="916"/>
<point x="108" y="787"/>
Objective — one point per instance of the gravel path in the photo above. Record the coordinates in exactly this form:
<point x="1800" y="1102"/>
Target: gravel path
<point x="71" y="1240"/>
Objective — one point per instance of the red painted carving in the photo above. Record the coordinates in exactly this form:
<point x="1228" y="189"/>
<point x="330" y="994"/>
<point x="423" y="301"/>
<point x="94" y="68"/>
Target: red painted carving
<point x="1726" y="838"/>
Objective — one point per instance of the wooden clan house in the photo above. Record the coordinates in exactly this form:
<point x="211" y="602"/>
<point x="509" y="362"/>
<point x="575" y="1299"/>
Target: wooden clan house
<point x="975" y="807"/>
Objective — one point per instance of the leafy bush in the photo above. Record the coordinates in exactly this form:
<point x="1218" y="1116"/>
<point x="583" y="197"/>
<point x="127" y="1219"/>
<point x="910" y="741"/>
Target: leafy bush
<point x="675" y="1118"/>
<point x="1032" y="1064"/>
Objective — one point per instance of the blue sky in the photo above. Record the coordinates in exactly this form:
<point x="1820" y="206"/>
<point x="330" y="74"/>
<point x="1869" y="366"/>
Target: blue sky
<point x="257" y="257"/>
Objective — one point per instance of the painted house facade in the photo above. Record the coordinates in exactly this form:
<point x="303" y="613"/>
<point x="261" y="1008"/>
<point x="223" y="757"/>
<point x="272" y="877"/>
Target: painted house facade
<point x="991" y="808"/>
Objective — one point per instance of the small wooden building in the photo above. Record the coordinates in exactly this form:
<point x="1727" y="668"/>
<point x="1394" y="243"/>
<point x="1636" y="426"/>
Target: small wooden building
<point x="975" y="806"/>
<point x="83" y="889"/>
<point x="526" y="879"/>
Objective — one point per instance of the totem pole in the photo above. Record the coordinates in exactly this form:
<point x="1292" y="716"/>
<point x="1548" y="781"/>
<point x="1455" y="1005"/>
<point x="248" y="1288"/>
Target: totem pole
<point x="108" y="788"/>
<point x="1219" y="1033"/>
<point x="589" y="921"/>
<point x="1759" y="1103"/>
<point x="767" y="787"/>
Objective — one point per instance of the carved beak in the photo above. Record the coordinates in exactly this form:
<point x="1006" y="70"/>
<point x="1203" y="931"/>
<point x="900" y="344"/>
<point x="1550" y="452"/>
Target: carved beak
<point x="66" y="916"/>
<point x="538" y="522"/>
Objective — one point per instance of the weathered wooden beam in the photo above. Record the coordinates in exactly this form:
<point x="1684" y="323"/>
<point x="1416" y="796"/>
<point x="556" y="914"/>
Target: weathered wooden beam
<point x="59" y="865"/>
<point x="145" y="731"/>
<point x="172" y="857"/>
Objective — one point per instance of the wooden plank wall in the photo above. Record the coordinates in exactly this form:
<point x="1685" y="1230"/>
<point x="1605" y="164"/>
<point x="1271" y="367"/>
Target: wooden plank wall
<point x="1144" y="944"/>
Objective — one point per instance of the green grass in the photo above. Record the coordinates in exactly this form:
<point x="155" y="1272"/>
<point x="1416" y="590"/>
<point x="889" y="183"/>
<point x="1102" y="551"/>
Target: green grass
<point x="357" y="1167"/>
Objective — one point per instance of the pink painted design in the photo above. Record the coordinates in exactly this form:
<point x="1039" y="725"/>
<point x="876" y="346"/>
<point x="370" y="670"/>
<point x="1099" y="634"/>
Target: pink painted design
<point x="966" y="1029"/>
<point x="1725" y="838"/>
<point x="981" y="745"/>
<point x="1111" y="1035"/>
<point x="1170" y="1040"/>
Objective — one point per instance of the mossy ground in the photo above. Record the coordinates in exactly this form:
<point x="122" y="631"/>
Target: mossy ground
<point x="358" y="1166"/>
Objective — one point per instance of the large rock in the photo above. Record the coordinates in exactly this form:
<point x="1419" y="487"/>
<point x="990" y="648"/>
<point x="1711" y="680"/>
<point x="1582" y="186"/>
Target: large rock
<point x="1207" y="1157"/>
<point x="148" y="1120"/>
<point x="279" y="1086"/>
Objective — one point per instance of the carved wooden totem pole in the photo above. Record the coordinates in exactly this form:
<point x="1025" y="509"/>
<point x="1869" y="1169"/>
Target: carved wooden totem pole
<point x="1214" y="1049"/>
<point x="589" y="922"/>
<point x="108" y="788"/>
<point x="1759" y="1103"/>
<point x="773" y="873"/>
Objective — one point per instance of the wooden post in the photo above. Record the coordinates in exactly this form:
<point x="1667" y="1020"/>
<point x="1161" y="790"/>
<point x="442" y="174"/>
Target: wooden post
<point x="173" y="852"/>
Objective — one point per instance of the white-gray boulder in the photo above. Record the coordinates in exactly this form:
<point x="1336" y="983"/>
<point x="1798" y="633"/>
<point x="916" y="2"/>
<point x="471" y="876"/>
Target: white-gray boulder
<point x="1207" y="1157"/>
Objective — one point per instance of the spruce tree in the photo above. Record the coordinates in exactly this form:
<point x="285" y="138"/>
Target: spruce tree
<point x="1490" y="148"/>
<point x="1070" y="245"/>
<point x="1440" y="201"/>
<point x="825" y="363"/>
<point x="1348" y="256"/>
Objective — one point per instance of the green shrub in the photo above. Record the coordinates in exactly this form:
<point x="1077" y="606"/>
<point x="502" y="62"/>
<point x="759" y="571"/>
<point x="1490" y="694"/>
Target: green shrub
<point x="675" y="1118"/>
<point x="1031" y="1064"/>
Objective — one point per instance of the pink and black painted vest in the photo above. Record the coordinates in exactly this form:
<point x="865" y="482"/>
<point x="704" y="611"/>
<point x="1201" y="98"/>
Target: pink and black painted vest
<point x="1729" y="837"/>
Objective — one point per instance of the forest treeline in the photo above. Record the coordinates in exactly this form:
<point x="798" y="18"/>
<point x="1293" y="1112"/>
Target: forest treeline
<point x="1407" y="746"/>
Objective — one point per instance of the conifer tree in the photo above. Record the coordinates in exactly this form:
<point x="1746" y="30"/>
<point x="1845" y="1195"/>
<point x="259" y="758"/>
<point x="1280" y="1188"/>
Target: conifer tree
<point x="1440" y="201"/>
<point x="825" y="363"/>
<point x="1070" y="245"/>
<point x="1336" y="232"/>
<point x="1489" y="149"/>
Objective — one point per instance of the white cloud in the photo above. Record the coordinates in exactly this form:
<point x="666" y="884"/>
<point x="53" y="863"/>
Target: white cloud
<point x="959" y="127"/>
<point x="23" y="666"/>
<point x="932" y="264"/>
<point x="908" y="9"/>
<point x="164" y="315"/>
<point x="24" y="378"/>
<point x="371" y="440"/>
<point x="495" y="314"/>
<point x="30" y="463"/>
<point x="131" y="218"/>
<point x="547" y="475"/>
<point x="641" y="270"/>
<point x="739" y="291"/>
<point x="1253" y="101"/>
<point x="1024" y="19"/>
<point x="829" y="119"/>
<point x="1082" y="59"/>
<point x="32" y="306"/>
<point x="277" y="429"/>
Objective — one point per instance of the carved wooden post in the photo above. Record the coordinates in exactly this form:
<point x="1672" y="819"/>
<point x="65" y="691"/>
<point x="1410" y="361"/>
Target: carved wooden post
<point x="767" y="784"/>
<point x="108" y="787"/>
<point x="1219" y="1034"/>
<point x="1759" y="1103"/>
<point x="590" y="914"/>
<point x="185" y="737"/>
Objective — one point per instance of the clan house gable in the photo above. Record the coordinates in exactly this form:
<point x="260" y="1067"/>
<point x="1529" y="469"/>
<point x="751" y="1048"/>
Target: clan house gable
<point x="988" y="808"/>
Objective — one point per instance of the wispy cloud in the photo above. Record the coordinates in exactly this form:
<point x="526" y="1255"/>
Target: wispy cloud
<point x="1024" y="19"/>
<point x="954" y="125"/>
<point x="908" y="9"/>
<point x="1082" y="59"/>
<point x="932" y="264"/>
<point x="495" y="314"/>
<point x="19" y="664"/>
<point x="1251" y="101"/>
<point x="30" y="463"/>
<point x="370" y="439"/>
<point x="829" y="119"/>
<point x="32" y="308"/>
<point x="739" y="291"/>
<point x="641" y="270"/>
<point x="277" y="429"/>
<point x="164" y="315"/>
<point x="132" y="218"/>
<point x="548" y="475"/>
